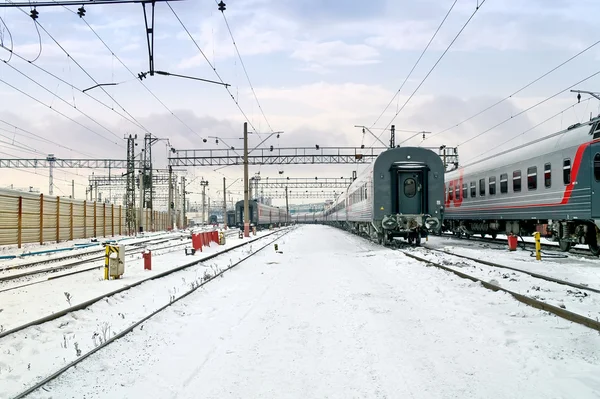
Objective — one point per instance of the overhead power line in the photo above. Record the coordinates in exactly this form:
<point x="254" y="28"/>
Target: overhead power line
<point x="222" y="9"/>
<point x="86" y="72"/>
<point x="526" y="131"/>
<point x="212" y="66"/>
<point x="518" y="91"/>
<point x="529" y="108"/>
<point x="434" y="65"/>
<point x="416" y="63"/>
<point x="135" y="76"/>
<point x="58" y="112"/>
<point x="40" y="138"/>
<point x="64" y="101"/>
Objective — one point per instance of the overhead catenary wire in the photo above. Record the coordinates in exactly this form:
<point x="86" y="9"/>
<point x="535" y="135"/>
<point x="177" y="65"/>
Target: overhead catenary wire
<point x="212" y="66"/>
<point x="517" y="91"/>
<point x="529" y="108"/>
<point x="525" y="131"/>
<point x="40" y="138"/>
<point x="73" y="87"/>
<point x="66" y="102"/>
<point x="244" y="68"/>
<point x="416" y="63"/>
<point x="135" y="76"/>
<point x="432" y="68"/>
<point x="86" y="72"/>
<point x="58" y="112"/>
<point x="11" y="40"/>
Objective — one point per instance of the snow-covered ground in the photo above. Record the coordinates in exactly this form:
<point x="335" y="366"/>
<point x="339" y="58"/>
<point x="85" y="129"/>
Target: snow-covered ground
<point x="31" y="302"/>
<point x="336" y="316"/>
<point x="36" y="352"/>
<point x="574" y="268"/>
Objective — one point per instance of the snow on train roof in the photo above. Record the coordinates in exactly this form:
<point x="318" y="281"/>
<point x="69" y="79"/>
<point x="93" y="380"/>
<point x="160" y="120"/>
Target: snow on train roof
<point x="572" y="136"/>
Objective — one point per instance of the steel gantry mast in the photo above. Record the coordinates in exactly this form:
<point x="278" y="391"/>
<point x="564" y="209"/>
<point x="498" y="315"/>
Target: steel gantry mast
<point x="130" y="221"/>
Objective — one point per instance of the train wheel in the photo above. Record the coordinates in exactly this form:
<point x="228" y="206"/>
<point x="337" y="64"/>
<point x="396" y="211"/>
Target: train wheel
<point x="418" y="240"/>
<point x="493" y="235"/>
<point x="564" y="245"/>
<point x="594" y="249"/>
<point x="482" y="235"/>
<point x="409" y="239"/>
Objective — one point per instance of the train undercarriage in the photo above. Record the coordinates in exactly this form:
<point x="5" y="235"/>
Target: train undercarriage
<point x="411" y="228"/>
<point x="566" y="233"/>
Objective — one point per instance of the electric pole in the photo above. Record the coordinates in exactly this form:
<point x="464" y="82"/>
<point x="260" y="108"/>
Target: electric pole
<point x="287" y="207"/>
<point x="393" y="136"/>
<point x="204" y="183"/>
<point x="183" y="223"/>
<point x="171" y="204"/>
<point x="224" y="205"/>
<point x="246" y="205"/>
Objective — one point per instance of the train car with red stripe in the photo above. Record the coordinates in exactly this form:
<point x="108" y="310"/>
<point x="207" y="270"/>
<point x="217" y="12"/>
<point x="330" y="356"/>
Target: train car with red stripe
<point x="550" y="185"/>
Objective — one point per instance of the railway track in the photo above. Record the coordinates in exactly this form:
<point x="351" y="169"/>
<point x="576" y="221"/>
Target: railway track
<point x="78" y="262"/>
<point x="263" y="241"/>
<point x="149" y="241"/>
<point x="537" y="290"/>
<point x="502" y="243"/>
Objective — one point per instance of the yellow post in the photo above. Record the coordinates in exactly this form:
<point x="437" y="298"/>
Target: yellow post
<point x="538" y="246"/>
<point x="106" y="260"/>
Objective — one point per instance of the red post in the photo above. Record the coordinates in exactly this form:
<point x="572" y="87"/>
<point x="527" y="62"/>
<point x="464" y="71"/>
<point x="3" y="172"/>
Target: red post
<point x="512" y="242"/>
<point x="147" y="255"/>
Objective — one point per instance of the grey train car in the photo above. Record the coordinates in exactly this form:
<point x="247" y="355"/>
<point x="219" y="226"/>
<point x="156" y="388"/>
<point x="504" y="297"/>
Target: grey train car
<point x="400" y="194"/>
<point x="230" y="218"/>
<point x="213" y="220"/>
<point x="550" y="185"/>
<point x="261" y="215"/>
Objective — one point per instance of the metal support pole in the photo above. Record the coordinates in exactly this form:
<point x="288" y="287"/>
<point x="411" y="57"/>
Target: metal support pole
<point x="73" y="189"/>
<point x="393" y="136"/>
<point x="183" y="222"/>
<point x="141" y="219"/>
<point x="224" y="205"/>
<point x="171" y="205"/>
<point x="246" y="205"/>
<point x="287" y="207"/>
<point x="203" y="204"/>
<point x="51" y="160"/>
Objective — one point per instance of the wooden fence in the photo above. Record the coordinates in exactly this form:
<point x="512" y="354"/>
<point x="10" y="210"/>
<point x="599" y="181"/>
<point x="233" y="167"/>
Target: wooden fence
<point x="31" y="218"/>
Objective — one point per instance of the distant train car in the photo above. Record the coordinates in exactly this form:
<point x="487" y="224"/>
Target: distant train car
<point x="212" y="219"/>
<point x="231" y="218"/>
<point x="261" y="215"/>
<point x="550" y="185"/>
<point x="400" y="194"/>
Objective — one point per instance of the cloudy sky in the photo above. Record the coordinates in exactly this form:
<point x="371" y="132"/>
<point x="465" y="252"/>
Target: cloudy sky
<point x="318" y="68"/>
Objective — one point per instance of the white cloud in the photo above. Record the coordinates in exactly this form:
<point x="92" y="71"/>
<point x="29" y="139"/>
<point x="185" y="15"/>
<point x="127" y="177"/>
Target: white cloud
<point x="335" y="53"/>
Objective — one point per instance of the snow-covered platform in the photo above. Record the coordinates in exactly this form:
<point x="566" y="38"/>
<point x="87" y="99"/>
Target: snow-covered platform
<point x="335" y="316"/>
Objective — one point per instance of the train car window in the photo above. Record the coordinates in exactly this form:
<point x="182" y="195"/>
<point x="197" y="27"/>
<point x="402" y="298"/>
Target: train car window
<point x="365" y="192"/>
<point x="532" y="178"/>
<point x="473" y="190"/>
<point x="457" y="192"/>
<point x="597" y="166"/>
<point x="465" y="193"/>
<point x="567" y="171"/>
<point x="597" y="131"/>
<point x="481" y="187"/>
<point x="547" y="175"/>
<point x="410" y="188"/>
<point x="503" y="183"/>
<point x="492" y="188"/>
<point x="516" y="181"/>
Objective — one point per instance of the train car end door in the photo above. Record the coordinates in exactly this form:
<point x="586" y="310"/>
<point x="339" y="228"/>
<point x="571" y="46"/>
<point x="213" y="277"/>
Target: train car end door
<point x="595" y="183"/>
<point x="410" y="192"/>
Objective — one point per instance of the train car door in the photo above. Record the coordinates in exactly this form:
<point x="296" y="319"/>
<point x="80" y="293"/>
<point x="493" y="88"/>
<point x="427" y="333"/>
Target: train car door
<point x="595" y="184"/>
<point x="410" y="192"/>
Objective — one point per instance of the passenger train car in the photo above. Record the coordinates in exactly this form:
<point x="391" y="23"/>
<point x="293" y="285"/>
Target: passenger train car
<point x="550" y="185"/>
<point x="261" y="215"/>
<point x="400" y="194"/>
